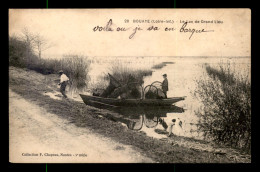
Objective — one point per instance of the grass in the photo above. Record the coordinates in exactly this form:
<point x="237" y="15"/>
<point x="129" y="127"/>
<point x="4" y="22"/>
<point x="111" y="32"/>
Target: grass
<point x="86" y="116"/>
<point x="226" y="114"/>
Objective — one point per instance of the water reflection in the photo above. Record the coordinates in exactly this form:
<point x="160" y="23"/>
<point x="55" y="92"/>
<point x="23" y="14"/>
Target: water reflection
<point x="181" y="76"/>
<point x="146" y="119"/>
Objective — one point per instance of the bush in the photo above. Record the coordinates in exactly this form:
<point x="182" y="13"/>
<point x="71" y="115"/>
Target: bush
<point x="16" y="52"/>
<point x="20" y="55"/>
<point x="226" y="114"/>
<point x="75" y="66"/>
<point x="45" y="66"/>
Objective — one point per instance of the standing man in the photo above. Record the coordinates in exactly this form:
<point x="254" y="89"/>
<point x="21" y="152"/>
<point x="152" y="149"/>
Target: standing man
<point x="165" y="85"/>
<point x="63" y="83"/>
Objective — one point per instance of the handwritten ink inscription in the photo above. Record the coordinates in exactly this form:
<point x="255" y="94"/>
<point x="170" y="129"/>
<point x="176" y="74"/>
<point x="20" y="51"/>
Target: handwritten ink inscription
<point x="192" y="31"/>
<point x="184" y="29"/>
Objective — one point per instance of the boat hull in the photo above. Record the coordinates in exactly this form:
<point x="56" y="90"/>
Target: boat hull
<point x="131" y="102"/>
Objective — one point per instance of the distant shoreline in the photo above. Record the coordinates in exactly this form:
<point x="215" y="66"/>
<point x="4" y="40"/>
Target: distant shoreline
<point x="60" y="56"/>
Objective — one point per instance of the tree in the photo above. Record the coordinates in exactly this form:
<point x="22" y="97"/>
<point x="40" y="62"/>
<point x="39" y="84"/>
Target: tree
<point x="41" y="44"/>
<point x="28" y="38"/>
<point x="36" y="42"/>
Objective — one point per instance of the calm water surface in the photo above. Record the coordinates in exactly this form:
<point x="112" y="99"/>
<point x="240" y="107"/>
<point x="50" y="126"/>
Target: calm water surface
<point x="181" y="76"/>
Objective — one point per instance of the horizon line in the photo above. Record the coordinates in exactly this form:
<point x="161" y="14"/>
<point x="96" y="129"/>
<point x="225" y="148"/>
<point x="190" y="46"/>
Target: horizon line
<point x="149" y="56"/>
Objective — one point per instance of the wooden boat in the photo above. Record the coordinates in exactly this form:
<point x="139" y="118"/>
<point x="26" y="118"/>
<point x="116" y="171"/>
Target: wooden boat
<point x="130" y="102"/>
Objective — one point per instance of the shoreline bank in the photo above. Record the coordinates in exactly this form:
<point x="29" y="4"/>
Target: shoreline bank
<point x="29" y="85"/>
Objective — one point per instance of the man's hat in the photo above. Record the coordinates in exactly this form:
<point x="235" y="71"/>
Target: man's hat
<point x="164" y="74"/>
<point x="61" y="71"/>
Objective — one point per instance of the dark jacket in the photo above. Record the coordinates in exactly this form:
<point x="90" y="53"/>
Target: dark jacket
<point x="165" y="85"/>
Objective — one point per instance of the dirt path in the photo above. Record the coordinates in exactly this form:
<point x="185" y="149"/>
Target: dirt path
<point x="34" y="131"/>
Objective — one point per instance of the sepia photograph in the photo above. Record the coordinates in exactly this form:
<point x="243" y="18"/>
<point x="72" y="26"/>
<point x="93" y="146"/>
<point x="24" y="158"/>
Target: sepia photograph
<point x="130" y="85"/>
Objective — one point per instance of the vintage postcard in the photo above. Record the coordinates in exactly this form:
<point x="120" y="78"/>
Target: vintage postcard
<point x="130" y="85"/>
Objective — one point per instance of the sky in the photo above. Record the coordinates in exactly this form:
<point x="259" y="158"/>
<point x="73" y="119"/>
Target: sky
<point x="71" y="31"/>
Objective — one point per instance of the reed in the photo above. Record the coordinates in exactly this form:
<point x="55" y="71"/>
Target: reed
<point x="125" y="74"/>
<point x="161" y="65"/>
<point x="76" y="67"/>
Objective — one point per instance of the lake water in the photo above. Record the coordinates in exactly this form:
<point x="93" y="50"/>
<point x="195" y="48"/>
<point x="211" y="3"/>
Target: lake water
<point x="182" y="75"/>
